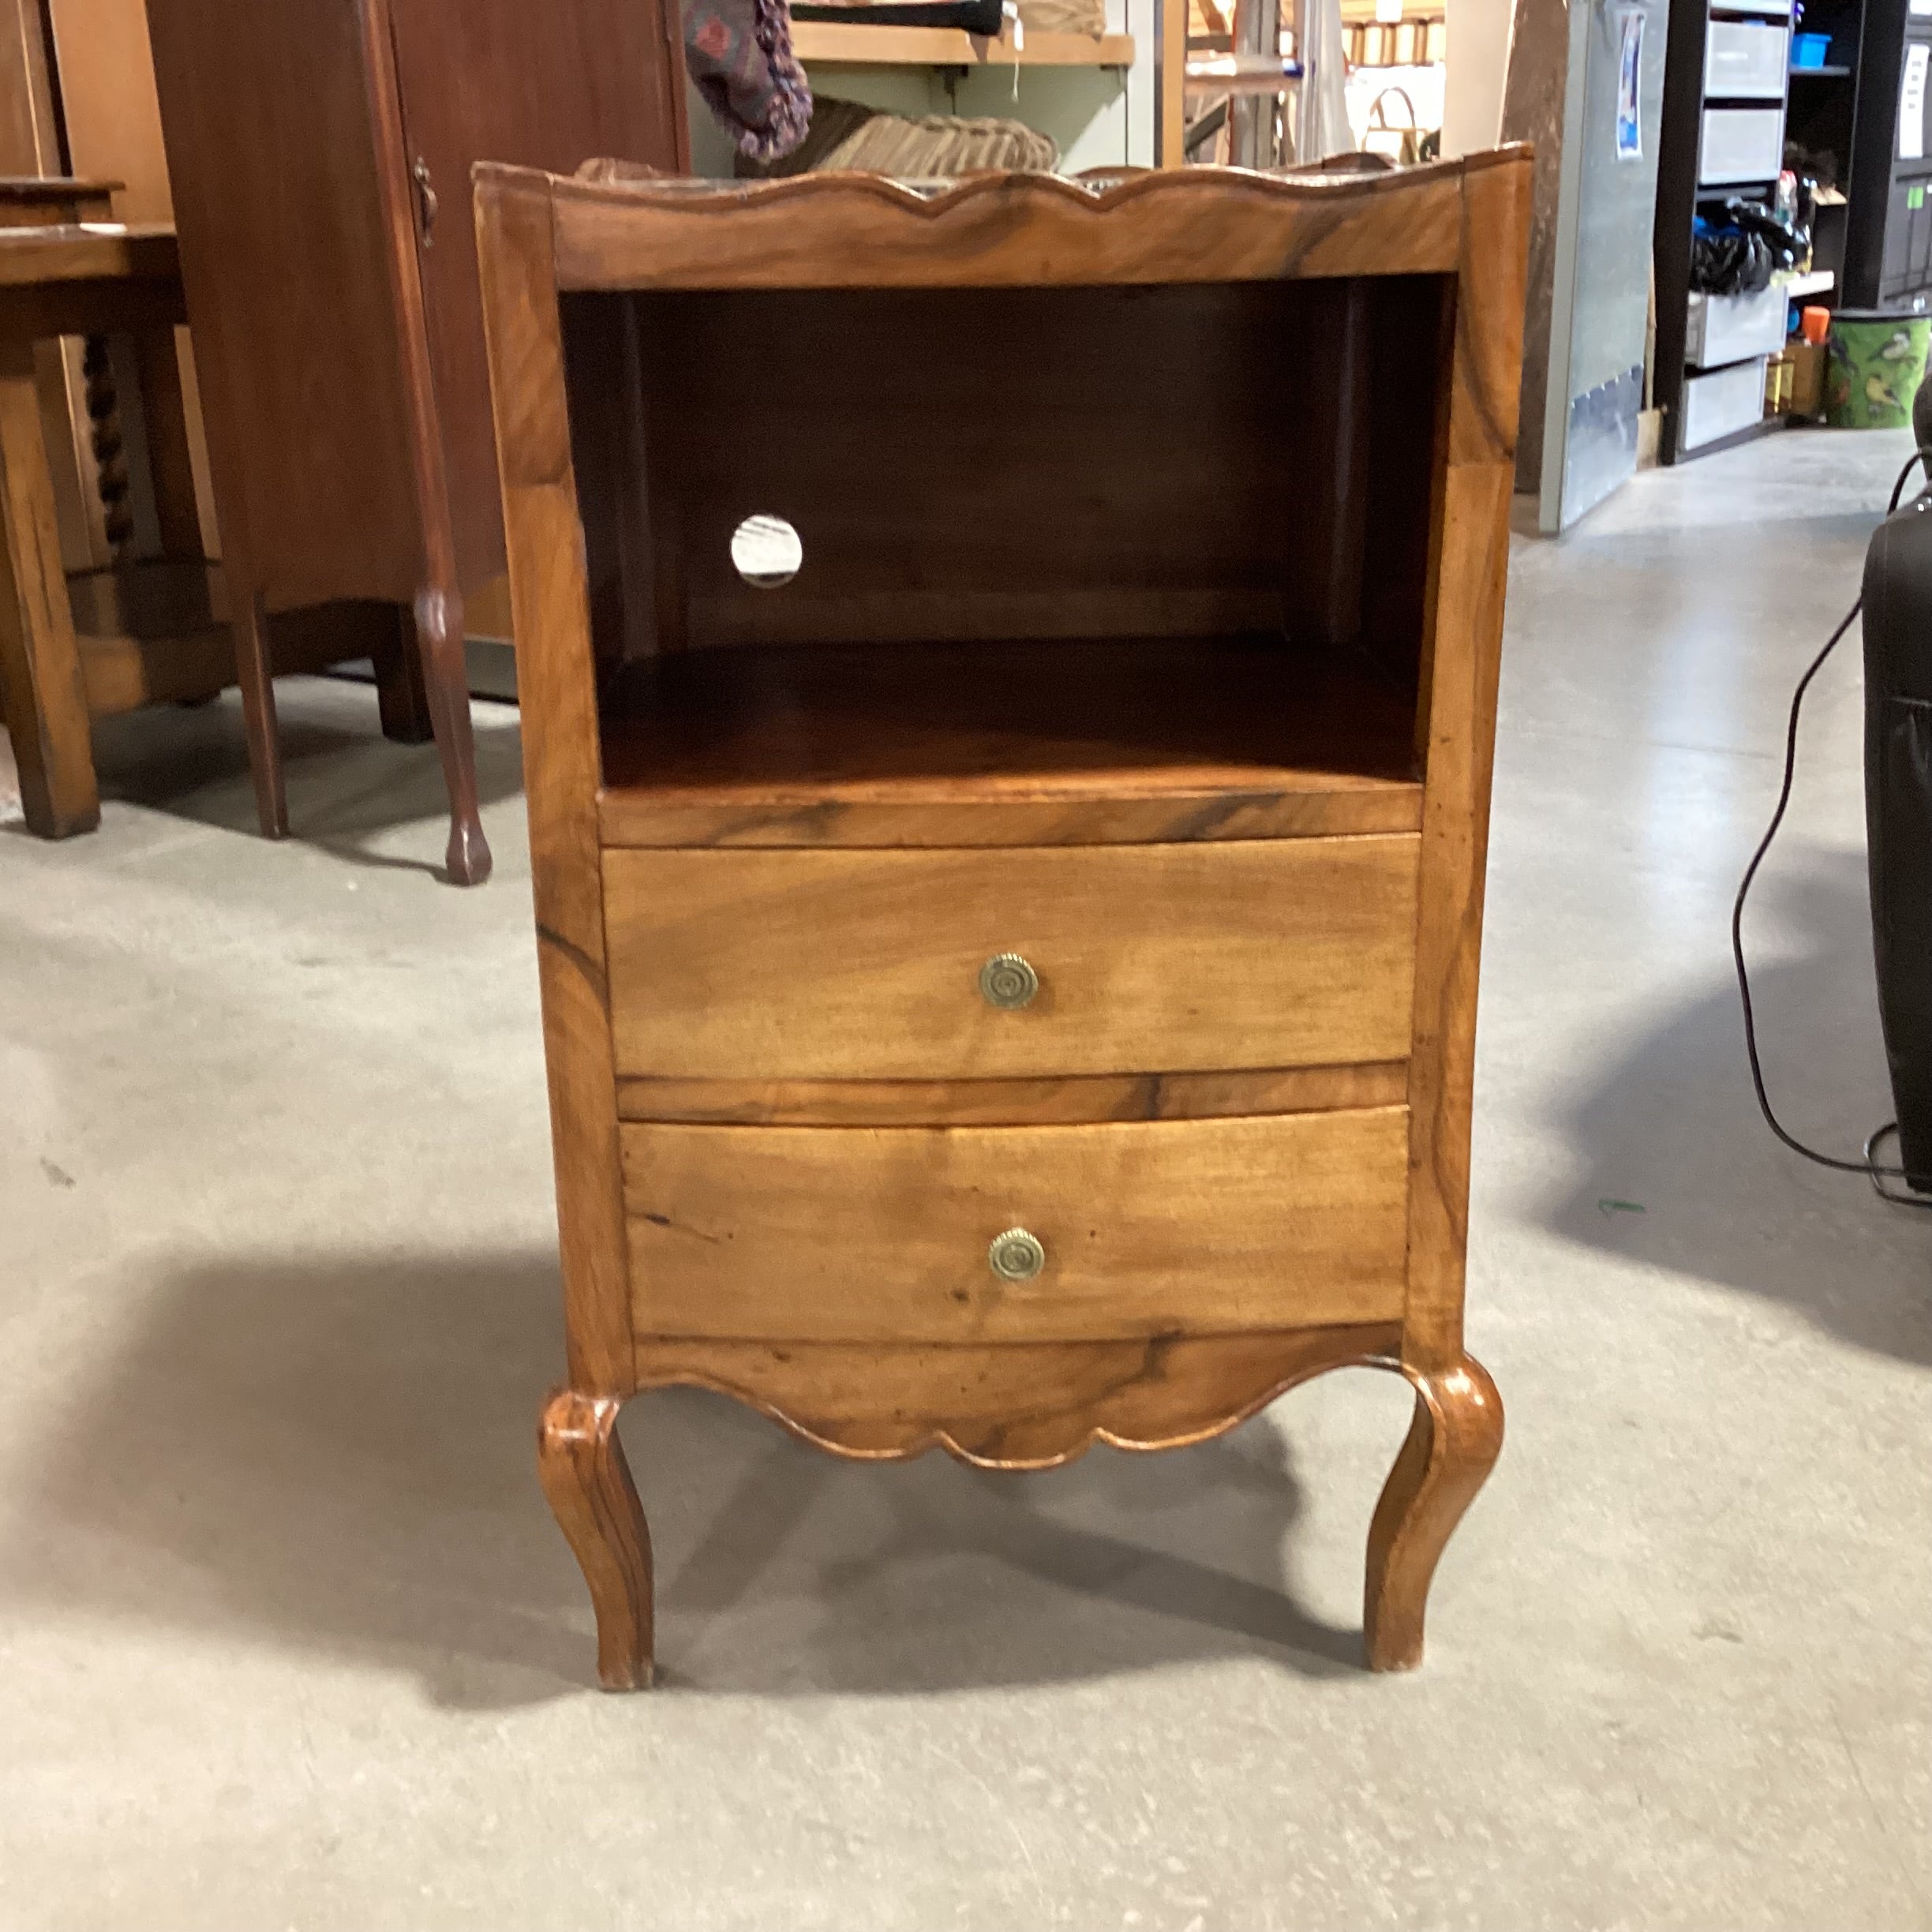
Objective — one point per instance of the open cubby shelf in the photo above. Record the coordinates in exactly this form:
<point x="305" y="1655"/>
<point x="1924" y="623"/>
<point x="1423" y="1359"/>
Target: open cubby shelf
<point x="1181" y="737"/>
<point x="1103" y="563"/>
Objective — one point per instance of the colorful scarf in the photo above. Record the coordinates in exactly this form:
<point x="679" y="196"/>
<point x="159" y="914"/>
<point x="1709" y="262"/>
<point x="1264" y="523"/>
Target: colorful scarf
<point x="740" y="55"/>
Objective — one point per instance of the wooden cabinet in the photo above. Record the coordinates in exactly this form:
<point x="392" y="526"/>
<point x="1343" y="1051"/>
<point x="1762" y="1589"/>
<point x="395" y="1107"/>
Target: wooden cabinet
<point x="1009" y="966"/>
<point x="320" y="152"/>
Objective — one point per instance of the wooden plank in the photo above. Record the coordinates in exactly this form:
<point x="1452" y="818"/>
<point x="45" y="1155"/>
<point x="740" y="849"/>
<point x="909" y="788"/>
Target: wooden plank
<point x="550" y="608"/>
<point x="647" y="818"/>
<point x="1464" y="652"/>
<point x="830" y="965"/>
<point x="1201" y="1227"/>
<point x="1011" y="1406"/>
<point x="41" y="694"/>
<point x="1008" y="231"/>
<point x="65" y="252"/>
<point x="1012" y="1102"/>
<point x="124" y="670"/>
<point x="1170" y="102"/>
<point x="1031" y="742"/>
<point x="848" y="44"/>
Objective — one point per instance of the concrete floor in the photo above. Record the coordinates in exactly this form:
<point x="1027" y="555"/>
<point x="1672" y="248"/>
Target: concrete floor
<point x="287" y="1638"/>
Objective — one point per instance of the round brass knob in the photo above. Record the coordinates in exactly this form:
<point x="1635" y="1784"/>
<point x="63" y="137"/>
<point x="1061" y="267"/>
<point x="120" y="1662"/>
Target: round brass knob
<point x="1015" y="1255"/>
<point x="1006" y="981"/>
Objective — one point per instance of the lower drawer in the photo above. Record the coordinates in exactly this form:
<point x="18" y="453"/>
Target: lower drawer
<point x="1144" y="1228"/>
<point x="1722" y="403"/>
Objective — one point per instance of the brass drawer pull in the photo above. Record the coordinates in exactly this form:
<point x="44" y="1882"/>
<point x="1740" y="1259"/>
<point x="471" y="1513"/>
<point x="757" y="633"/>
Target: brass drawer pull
<point x="1015" y="1255"/>
<point x="1006" y="981"/>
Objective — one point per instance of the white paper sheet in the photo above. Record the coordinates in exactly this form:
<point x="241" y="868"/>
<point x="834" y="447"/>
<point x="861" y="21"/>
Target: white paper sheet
<point x="1911" y="103"/>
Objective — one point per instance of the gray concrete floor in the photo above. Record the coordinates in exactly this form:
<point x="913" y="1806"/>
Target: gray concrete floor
<point x="288" y="1637"/>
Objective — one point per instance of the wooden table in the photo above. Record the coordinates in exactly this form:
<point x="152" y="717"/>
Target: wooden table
<point x="111" y="642"/>
<point x="69" y="279"/>
<point x="1012" y="985"/>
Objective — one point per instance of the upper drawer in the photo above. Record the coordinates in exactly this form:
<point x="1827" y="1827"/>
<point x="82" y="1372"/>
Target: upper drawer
<point x="868" y="965"/>
<point x="1745" y="60"/>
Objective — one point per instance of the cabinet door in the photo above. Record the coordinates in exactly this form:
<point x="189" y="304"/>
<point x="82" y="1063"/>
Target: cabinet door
<point x="282" y="215"/>
<point x="545" y="85"/>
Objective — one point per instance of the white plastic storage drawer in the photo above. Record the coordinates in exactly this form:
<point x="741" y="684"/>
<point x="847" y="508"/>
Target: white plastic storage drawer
<point x="1723" y="403"/>
<point x="1741" y="144"/>
<point x="1724" y="328"/>
<point x="1745" y="60"/>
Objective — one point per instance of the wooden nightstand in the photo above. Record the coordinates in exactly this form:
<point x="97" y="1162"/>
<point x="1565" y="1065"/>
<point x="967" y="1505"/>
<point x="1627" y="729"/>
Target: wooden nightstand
<point x="1013" y="983"/>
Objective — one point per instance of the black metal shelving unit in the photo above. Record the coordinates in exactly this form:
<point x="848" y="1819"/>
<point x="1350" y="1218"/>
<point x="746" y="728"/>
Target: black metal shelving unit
<point x="1726" y="76"/>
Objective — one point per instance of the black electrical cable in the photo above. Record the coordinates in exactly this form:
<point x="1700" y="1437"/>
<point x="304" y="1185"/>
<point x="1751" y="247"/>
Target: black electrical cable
<point x="1869" y="1165"/>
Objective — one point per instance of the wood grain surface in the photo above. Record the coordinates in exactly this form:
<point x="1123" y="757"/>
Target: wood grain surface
<point x="862" y="231"/>
<point x="1116" y="461"/>
<point x="1033" y="742"/>
<point x="41" y="697"/>
<point x="865" y="965"/>
<point x="587" y="1483"/>
<point x="881" y="1235"/>
<point x="1012" y="1102"/>
<point x="1452" y="1445"/>
<point x="557" y="687"/>
<point x="1464" y="653"/>
<point x="1012" y="1405"/>
<point x="1235" y="1114"/>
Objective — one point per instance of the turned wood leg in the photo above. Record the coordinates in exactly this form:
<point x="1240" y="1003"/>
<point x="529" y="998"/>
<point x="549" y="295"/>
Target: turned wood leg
<point x="402" y="696"/>
<point x="440" y="638"/>
<point x="42" y="694"/>
<point x="1452" y="1445"/>
<point x="582" y="1464"/>
<point x="258" y="704"/>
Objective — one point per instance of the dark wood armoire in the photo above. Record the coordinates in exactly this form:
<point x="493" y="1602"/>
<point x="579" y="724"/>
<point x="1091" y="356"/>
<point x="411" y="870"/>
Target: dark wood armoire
<point x="320" y="152"/>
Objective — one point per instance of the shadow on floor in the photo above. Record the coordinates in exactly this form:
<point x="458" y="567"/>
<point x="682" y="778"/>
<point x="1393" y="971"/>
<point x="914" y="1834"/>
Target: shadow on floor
<point x="347" y="785"/>
<point x="342" y="1458"/>
<point x="1671" y="1127"/>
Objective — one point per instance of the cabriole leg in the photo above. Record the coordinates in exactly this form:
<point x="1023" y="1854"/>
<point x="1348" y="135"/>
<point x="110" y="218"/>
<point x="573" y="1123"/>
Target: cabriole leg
<point x="584" y="1473"/>
<point x="1452" y="1445"/>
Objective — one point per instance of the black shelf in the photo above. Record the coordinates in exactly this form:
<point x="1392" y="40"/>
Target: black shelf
<point x="1687" y="97"/>
<point x="1821" y="74"/>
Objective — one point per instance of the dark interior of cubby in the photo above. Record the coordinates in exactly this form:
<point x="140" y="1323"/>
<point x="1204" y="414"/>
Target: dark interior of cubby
<point x="1050" y="532"/>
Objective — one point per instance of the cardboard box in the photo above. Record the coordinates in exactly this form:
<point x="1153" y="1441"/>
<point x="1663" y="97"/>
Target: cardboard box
<point x="1807" y="379"/>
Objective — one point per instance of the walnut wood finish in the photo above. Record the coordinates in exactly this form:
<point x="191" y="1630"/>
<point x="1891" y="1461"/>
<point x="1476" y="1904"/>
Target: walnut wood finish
<point x="1452" y="1444"/>
<point x="1022" y="1102"/>
<point x="41" y="693"/>
<point x="1013" y="1408"/>
<point x="311" y="149"/>
<point x="588" y="1482"/>
<point x="1170" y="1227"/>
<point x="1047" y="510"/>
<point x="1011" y="231"/>
<point x="1128" y="741"/>
<point x="59" y="278"/>
<point x="865" y="965"/>
<point x="557" y="692"/>
<point x="779" y="1179"/>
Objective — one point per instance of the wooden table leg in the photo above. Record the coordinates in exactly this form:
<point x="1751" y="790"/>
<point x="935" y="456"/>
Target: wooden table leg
<point x="40" y="685"/>
<point x="402" y="696"/>
<point x="446" y="677"/>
